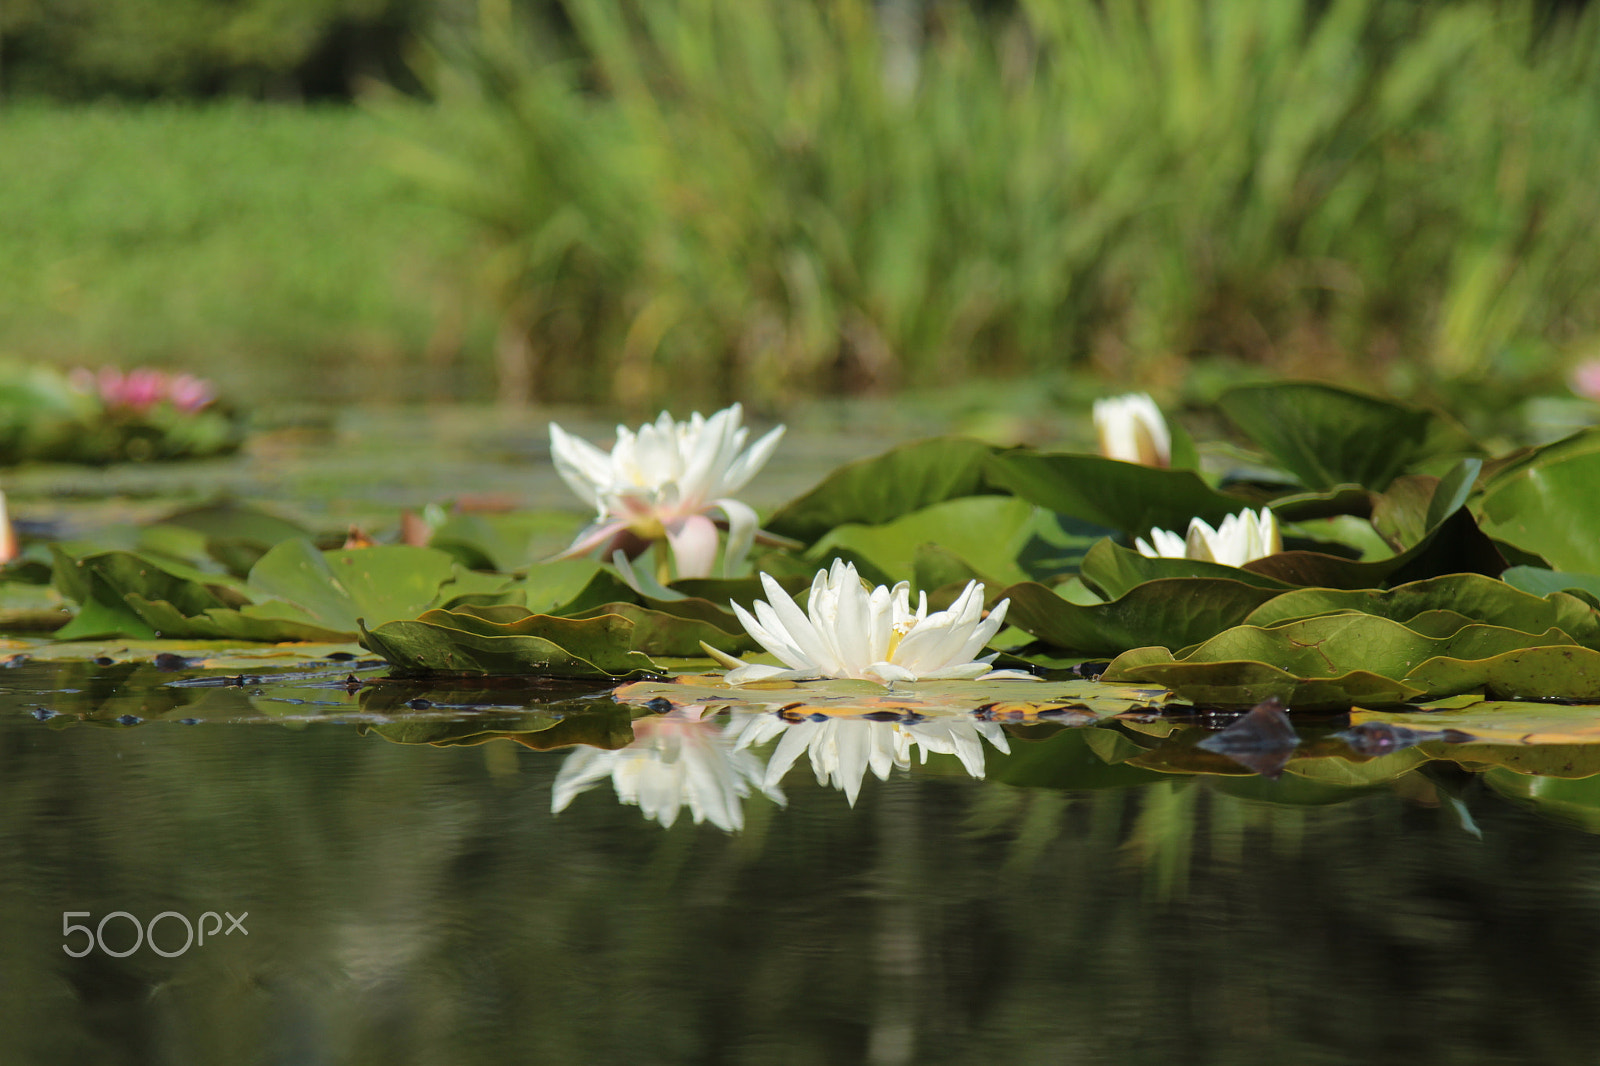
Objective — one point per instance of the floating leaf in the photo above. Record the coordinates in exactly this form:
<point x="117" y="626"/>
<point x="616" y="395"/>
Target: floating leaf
<point x="881" y="489"/>
<point x="335" y="588"/>
<point x="1124" y="496"/>
<point x="508" y="641"/>
<point x="1545" y="503"/>
<point x="1114" y="571"/>
<point x="1172" y="612"/>
<point x="986" y="532"/>
<point x="1236" y="683"/>
<point x="852" y="698"/>
<point x="677" y="628"/>
<point x="1543" y="582"/>
<point x="1472" y="596"/>
<point x="1328" y="436"/>
<point x="1454" y="546"/>
<point x="1549" y="672"/>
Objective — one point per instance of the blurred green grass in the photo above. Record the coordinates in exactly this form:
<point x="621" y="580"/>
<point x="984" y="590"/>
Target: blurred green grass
<point x="268" y="247"/>
<point x="762" y="198"/>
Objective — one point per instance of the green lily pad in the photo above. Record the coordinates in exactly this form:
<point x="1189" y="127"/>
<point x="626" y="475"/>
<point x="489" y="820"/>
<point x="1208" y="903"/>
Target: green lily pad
<point x="1171" y="612"/>
<point x="1327" y="436"/>
<point x="101" y="583"/>
<point x="677" y="628"/>
<point x="1545" y="503"/>
<point x="336" y="588"/>
<point x="508" y="641"/>
<point x="1246" y="683"/>
<point x="985" y="532"/>
<point x="1455" y="546"/>
<point x="1005" y="699"/>
<point x="1114" y="571"/>
<point x="1118" y="495"/>
<point x="1471" y="596"/>
<point x="1552" y="671"/>
<point x="881" y="489"/>
<point x="1543" y="582"/>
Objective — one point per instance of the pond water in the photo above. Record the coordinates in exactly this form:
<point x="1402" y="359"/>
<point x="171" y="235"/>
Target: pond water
<point x="379" y="876"/>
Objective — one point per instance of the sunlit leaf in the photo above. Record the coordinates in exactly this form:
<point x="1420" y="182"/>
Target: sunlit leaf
<point x="1546" y="503"/>
<point x="1327" y="436"/>
<point x="1124" y="496"/>
<point x="1472" y="596"/>
<point x="881" y="489"/>
<point x="986" y="532"/>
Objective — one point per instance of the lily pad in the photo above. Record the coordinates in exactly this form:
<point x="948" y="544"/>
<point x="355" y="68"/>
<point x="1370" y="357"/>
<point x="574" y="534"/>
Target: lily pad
<point x="881" y="489"/>
<point x="508" y="641"/>
<point x="1327" y="436"/>
<point x="1473" y="596"/>
<point x="1107" y="492"/>
<point x="985" y="532"/>
<point x="1114" y="571"/>
<point x="1245" y="683"/>
<point x="677" y="628"/>
<point x="1172" y="612"/>
<point x="1545" y="503"/>
<point x="1014" y="699"/>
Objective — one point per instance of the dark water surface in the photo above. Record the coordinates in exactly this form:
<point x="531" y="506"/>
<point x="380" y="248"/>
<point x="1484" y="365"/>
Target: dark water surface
<point x="414" y="903"/>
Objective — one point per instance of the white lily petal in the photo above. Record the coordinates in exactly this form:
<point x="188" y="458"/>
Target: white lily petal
<point x="775" y="640"/>
<point x="746" y="466"/>
<point x="742" y="527"/>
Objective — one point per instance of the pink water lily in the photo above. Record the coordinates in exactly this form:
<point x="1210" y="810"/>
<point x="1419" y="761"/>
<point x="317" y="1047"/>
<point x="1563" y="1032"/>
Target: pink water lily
<point x="140" y="389"/>
<point x="663" y="483"/>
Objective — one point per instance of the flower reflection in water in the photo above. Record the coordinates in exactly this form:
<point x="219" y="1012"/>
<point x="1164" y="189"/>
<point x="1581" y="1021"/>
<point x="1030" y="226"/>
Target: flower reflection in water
<point x="842" y="750"/>
<point x="678" y="759"/>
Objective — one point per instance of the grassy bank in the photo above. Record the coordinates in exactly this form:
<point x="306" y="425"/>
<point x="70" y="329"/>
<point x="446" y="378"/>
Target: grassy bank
<point x="269" y="247"/>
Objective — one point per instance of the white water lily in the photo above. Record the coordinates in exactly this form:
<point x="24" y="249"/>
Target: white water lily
<point x="662" y="483"/>
<point x="843" y="750"/>
<point x="1239" y="539"/>
<point x="850" y="631"/>
<point x="678" y="759"/>
<point x="1131" y="429"/>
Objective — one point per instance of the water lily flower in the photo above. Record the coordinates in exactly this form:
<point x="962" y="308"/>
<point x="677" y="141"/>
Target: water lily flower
<point x="843" y="750"/>
<point x="848" y="630"/>
<point x="1585" y="379"/>
<point x="1239" y="539"/>
<point x="1131" y="429"/>
<point x="662" y="483"/>
<point x="140" y="389"/>
<point x="678" y="759"/>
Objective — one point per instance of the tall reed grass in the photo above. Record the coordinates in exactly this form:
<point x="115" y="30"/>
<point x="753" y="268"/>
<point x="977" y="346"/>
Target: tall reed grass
<point x="750" y="197"/>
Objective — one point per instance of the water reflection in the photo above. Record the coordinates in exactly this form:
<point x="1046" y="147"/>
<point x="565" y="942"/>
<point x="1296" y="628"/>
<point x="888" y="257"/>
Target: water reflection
<point x="843" y="750"/>
<point x="682" y="758"/>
